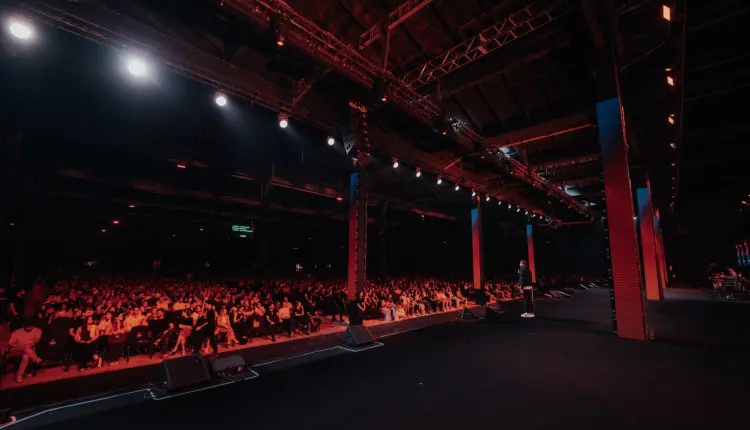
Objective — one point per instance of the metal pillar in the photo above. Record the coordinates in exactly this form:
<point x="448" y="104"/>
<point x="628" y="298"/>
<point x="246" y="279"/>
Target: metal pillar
<point x="648" y="244"/>
<point x="530" y="247"/>
<point x="629" y="314"/>
<point x="383" y="239"/>
<point x="661" y="257"/>
<point x="357" y="140"/>
<point x="477" y="251"/>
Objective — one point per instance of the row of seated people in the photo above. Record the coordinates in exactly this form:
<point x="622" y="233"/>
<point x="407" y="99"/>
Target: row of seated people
<point x="105" y="321"/>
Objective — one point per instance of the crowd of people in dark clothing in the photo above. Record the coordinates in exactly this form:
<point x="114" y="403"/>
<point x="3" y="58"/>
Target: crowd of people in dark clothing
<point x="103" y="321"/>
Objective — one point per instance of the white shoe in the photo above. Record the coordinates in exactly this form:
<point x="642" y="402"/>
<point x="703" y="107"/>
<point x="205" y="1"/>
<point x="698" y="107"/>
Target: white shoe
<point x="524" y="315"/>
<point x="529" y="315"/>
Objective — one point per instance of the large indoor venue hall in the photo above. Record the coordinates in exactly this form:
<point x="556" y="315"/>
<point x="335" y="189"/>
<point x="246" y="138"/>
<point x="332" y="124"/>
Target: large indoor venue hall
<point x="374" y="213"/>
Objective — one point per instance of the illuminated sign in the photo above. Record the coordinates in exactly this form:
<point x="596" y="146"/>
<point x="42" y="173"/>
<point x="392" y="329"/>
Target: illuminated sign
<point x="242" y="229"/>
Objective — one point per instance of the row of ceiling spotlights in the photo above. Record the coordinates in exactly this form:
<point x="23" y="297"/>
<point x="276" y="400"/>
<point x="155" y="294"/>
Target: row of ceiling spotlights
<point x="439" y="181"/>
<point x="139" y="68"/>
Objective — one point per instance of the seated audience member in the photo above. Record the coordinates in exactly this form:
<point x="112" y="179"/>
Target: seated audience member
<point x="223" y="325"/>
<point x="22" y="343"/>
<point x="86" y="336"/>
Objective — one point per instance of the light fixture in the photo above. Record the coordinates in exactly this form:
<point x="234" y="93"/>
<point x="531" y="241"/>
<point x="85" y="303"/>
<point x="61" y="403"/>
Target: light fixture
<point x="395" y="163"/>
<point x="384" y="98"/>
<point x="670" y="81"/>
<point x="499" y="202"/>
<point x="339" y="198"/>
<point x="518" y="210"/>
<point x="670" y="119"/>
<point x="666" y="12"/>
<point x="137" y="67"/>
<point x="487" y="199"/>
<point x="181" y="166"/>
<point x="527" y="212"/>
<point x="131" y="206"/>
<point x="473" y="193"/>
<point x="458" y="187"/>
<point x="104" y="230"/>
<point x="674" y="164"/>
<point x="331" y="141"/>
<point x="672" y="145"/>
<point x="283" y="120"/>
<point x="220" y="99"/>
<point x="439" y="180"/>
<point x="20" y="29"/>
<point x="419" y="172"/>
<point x="115" y="222"/>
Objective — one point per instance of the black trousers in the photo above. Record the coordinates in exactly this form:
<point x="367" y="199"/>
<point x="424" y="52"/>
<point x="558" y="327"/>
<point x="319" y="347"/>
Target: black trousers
<point x="528" y="297"/>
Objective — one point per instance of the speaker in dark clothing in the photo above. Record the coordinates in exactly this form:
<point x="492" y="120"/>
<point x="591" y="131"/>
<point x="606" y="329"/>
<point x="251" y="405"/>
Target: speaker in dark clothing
<point x="183" y="372"/>
<point x="358" y="335"/>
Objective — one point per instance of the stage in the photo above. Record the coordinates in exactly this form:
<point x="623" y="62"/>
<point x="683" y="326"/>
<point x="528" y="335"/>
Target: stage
<point x="561" y="371"/>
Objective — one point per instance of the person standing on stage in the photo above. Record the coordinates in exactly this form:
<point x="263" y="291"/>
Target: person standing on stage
<point x="525" y="282"/>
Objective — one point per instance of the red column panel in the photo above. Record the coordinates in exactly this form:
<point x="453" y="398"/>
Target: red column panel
<point x="530" y="247"/>
<point x="629" y="305"/>
<point x="648" y="244"/>
<point x="477" y="253"/>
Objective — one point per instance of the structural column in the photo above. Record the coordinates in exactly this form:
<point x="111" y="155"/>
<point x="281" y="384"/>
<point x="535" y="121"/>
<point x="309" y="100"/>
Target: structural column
<point x="628" y="313"/>
<point x="383" y="239"/>
<point x="477" y="251"/>
<point x="357" y="144"/>
<point x="661" y="259"/>
<point x="530" y="248"/>
<point x="648" y="244"/>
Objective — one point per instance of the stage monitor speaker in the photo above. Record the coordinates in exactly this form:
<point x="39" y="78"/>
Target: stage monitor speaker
<point x="358" y="335"/>
<point x="494" y="313"/>
<point x="183" y="372"/>
<point x="228" y="364"/>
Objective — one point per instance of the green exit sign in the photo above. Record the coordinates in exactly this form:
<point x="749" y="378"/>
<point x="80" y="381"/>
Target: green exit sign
<point x="242" y="229"/>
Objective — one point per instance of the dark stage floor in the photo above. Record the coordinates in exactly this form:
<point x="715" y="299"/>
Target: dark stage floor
<point x="564" y="371"/>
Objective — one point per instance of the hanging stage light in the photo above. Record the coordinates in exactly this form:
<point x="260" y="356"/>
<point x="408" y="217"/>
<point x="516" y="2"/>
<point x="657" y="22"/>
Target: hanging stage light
<point x="487" y="199"/>
<point x="331" y="141"/>
<point x="458" y="187"/>
<point x="20" y="29"/>
<point x="220" y="99"/>
<point x="283" y="120"/>
<point x="395" y="163"/>
<point x="419" y="172"/>
<point x="137" y="67"/>
<point x="518" y="210"/>
<point x="439" y="180"/>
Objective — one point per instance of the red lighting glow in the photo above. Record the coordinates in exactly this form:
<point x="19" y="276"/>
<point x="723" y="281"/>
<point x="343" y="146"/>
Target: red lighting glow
<point x="666" y="12"/>
<point x="115" y="222"/>
<point x="181" y="166"/>
<point x="339" y="198"/>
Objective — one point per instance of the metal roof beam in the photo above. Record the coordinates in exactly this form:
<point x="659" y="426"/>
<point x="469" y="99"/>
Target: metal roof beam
<point x="396" y="17"/>
<point x="556" y="127"/>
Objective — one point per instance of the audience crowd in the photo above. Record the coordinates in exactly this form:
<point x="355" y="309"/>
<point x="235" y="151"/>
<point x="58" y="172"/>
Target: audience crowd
<point x="94" y="322"/>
